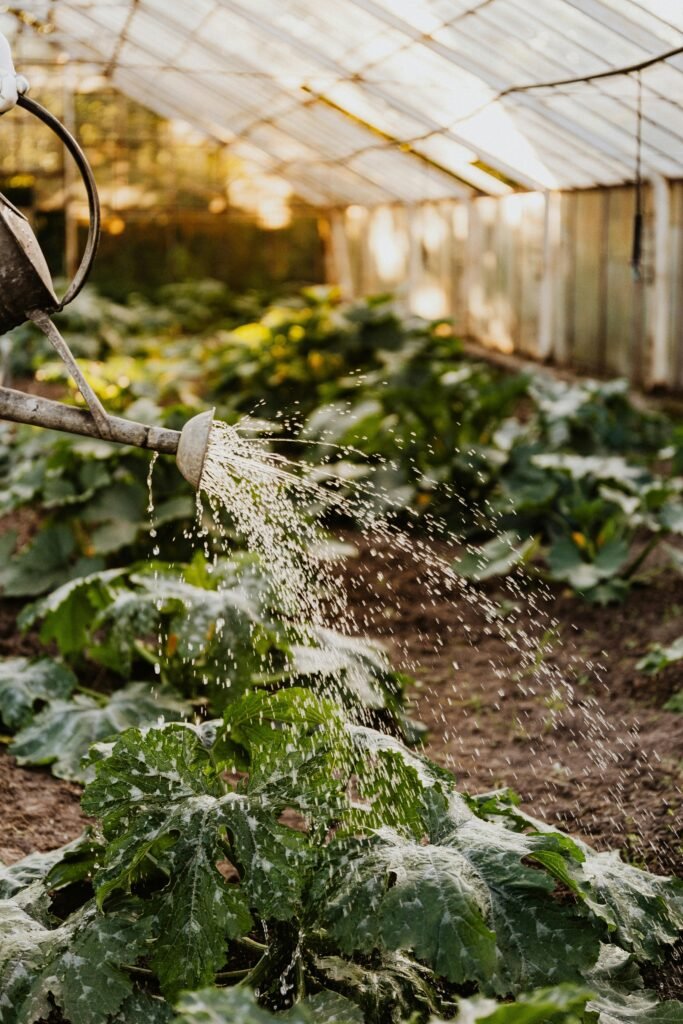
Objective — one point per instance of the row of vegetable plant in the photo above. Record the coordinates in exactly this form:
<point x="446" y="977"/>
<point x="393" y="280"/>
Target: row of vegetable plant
<point x="285" y="859"/>
<point x="570" y="478"/>
<point x="266" y="842"/>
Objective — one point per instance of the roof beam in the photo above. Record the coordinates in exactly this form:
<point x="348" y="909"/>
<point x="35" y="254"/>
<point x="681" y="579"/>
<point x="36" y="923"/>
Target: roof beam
<point x="285" y="38"/>
<point x="475" y="68"/>
<point x="279" y="167"/>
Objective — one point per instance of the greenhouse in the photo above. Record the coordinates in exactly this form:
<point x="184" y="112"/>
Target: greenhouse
<point x="341" y="516"/>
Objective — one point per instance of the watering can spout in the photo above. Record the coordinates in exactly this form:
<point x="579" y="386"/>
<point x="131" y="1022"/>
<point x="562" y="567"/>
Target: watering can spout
<point x="189" y="445"/>
<point x="26" y="292"/>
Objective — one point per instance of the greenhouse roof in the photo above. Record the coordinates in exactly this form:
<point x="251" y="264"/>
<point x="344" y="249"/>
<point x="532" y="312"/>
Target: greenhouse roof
<point x="375" y="101"/>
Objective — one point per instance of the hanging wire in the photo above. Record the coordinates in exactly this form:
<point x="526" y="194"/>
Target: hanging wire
<point x="637" y="249"/>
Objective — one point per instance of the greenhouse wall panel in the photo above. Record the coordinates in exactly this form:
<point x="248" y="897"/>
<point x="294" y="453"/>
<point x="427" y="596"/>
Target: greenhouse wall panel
<point x="546" y="276"/>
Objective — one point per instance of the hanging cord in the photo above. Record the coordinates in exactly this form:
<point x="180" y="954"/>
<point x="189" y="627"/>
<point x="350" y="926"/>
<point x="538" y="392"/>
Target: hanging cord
<point x="637" y="250"/>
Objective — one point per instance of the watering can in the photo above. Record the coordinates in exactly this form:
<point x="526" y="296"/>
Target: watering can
<point x="27" y="293"/>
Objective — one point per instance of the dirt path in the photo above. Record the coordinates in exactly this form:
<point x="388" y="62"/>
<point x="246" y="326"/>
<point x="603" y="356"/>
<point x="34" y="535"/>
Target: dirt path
<point x="580" y="736"/>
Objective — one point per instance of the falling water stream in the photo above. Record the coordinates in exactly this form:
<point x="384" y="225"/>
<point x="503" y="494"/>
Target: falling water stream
<point x="268" y="500"/>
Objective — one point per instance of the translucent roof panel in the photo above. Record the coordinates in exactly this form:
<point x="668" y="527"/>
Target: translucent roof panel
<point x="376" y="101"/>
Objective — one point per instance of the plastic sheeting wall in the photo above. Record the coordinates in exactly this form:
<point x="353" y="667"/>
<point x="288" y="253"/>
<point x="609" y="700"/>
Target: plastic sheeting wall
<point x="542" y="275"/>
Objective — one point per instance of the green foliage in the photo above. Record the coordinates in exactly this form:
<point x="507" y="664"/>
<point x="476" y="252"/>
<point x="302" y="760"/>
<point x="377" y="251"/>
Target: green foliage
<point x="93" y="503"/>
<point x="497" y="557"/>
<point x="563" y="470"/>
<point x="661" y="656"/>
<point x="26" y="685"/>
<point x="238" y="1006"/>
<point x="298" y="878"/>
<point x="465" y="903"/>
<point x="61" y="734"/>
<point x="213" y="631"/>
<point x="45" y="562"/>
<point x="77" y="965"/>
<point x="286" y="859"/>
<point x="675" y="703"/>
<point x="163" y="805"/>
<point x="564" y="1004"/>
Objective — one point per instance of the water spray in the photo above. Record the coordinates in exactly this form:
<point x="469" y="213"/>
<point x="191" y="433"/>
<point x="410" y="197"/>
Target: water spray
<point x="27" y="293"/>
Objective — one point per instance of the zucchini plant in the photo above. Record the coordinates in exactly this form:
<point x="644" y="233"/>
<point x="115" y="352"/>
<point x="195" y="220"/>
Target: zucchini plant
<point x="583" y="482"/>
<point x="286" y="860"/>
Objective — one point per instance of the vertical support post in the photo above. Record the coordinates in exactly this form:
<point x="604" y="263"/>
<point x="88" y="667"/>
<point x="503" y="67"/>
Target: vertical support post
<point x="660" y="369"/>
<point x="548" y="283"/>
<point x="460" y="264"/>
<point x="70" y="222"/>
<point x="415" y="265"/>
<point x="472" y="277"/>
<point x="339" y="261"/>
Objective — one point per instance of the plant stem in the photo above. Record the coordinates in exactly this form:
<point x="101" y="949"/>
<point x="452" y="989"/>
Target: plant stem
<point x="638" y="561"/>
<point x="101" y="698"/>
<point x="133" y="969"/>
<point x="251" y="943"/>
<point x="227" y="975"/>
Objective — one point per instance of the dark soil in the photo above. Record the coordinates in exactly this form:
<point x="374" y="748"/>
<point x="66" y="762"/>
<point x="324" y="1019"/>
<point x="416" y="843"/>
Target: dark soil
<point x="37" y="811"/>
<point x="581" y="735"/>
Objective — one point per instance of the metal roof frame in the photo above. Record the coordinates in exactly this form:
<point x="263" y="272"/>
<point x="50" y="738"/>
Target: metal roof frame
<point x="337" y="114"/>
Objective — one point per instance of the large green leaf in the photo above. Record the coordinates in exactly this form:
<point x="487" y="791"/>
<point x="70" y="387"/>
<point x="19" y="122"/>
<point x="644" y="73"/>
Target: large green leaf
<point x="33" y="868"/>
<point x="564" y="1004"/>
<point x="239" y="1006"/>
<point x="497" y="557"/>
<point x="392" y="893"/>
<point x="600" y="467"/>
<point x="162" y="798"/>
<point x="645" y="911"/>
<point x="79" y="965"/>
<point x="640" y="1007"/>
<point x="47" y="562"/>
<point x="671" y="516"/>
<point x="62" y="732"/>
<point x="25" y="685"/>
<point x="567" y="562"/>
<point x="211" y="635"/>
<point x="620" y="996"/>
<point x="350" y="668"/>
<point x="467" y="902"/>
<point x="390" y="781"/>
<point x="66" y="614"/>
<point x="116" y="516"/>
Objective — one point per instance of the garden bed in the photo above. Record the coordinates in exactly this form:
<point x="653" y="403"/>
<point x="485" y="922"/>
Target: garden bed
<point x="492" y="732"/>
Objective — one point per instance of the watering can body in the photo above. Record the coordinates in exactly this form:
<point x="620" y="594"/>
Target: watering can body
<point x="25" y="282"/>
<point x="26" y="292"/>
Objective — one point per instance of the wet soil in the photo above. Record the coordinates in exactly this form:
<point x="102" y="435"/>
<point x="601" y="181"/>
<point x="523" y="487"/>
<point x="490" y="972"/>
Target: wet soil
<point x="37" y="811"/>
<point x="555" y="709"/>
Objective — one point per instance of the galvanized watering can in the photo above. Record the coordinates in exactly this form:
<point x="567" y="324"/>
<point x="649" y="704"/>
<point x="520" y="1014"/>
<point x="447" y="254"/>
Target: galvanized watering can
<point x="27" y="293"/>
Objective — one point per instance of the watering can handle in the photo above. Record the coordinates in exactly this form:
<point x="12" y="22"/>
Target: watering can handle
<point x="91" y="188"/>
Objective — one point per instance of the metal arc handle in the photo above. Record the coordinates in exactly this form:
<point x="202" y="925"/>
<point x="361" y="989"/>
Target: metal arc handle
<point x="91" y="188"/>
